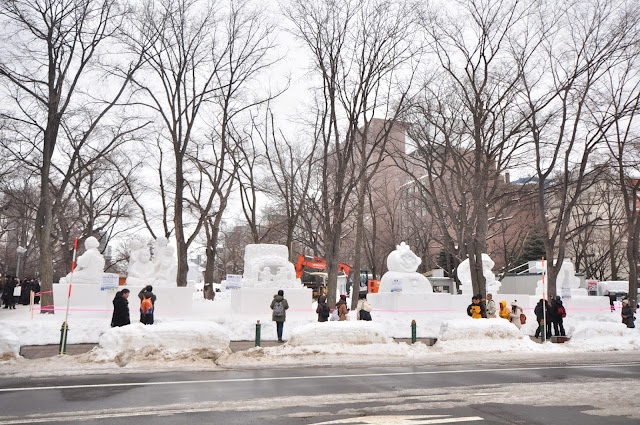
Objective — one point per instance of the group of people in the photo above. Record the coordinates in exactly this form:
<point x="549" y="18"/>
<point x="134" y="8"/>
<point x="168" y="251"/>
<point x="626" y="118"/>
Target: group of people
<point x="279" y="306"/>
<point x="554" y="314"/>
<point x="479" y="309"/>
<point x="120" y="315"/>
<point x="8" y="287"/>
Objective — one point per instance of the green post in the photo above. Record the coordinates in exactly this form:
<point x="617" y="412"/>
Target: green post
<point x="413" y="331"/>
<point x="543" y="330"/>
<point x="64" y="332"/>
<point x="258" y="331"/>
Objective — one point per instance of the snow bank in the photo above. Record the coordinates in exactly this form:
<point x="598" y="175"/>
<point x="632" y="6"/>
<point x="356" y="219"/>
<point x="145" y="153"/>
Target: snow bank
<point x="9" y="345"/>
<point x="167" y="335"/>
<point x="483" y="335"/>
<point x="346" y="332"/>
<point x="603" y="336"/>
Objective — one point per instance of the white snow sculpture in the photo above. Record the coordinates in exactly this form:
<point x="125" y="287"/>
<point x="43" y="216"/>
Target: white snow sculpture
<point x="164" y="264"/>
<point x="464" y="275"/>
<point x="268" y="266"/>
<point x="566" y="279"/>
<point x="89" y="266"/>
<point x="141" y="269"/>
<point x="402" y="275"/>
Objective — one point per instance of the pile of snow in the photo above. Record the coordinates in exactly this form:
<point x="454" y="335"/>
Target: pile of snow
<point x="9" y="345"/>
<point x="167" y="340"/>
<point x="603" y="336"/>
<point x="482" y="335"/>
<point x="346" y="332"/>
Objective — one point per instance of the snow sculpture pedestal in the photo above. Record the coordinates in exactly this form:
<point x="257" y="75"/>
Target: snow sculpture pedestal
<point x="267" y="270"/>
<point x="464" y="274"/>
<point x="402" y="288"/>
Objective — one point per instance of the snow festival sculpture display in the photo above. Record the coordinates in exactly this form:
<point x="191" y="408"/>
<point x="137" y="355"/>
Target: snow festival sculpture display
<point x="161" y="271"/>
<point x="402" y="275"/>
<point x="89" y="266"/>
<point x="567" y="283"/>
<point x="164" y="264"/>
<point x="464" y="274"/>
<point x="268" y="266"/>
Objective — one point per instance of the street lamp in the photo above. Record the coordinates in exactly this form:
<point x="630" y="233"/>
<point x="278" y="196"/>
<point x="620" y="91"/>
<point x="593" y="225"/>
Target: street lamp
<point x="21" y="251"/>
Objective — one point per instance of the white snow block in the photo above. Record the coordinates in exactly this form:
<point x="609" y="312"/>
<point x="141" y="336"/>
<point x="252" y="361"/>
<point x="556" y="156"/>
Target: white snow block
<point x="9" y="345"/>
<point x="482" y="335"/>
<point x="409" y="302"/>
<point x="166" y="336"/>
<point x="84" y="297"/>
<point x="598" y="336"/>
<point x="346" y="332"/>
<point x="258" y="300"/>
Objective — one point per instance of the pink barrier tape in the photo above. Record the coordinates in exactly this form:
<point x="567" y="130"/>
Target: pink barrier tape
<point x="94" y="310"/>
<point x="39" y="293"/>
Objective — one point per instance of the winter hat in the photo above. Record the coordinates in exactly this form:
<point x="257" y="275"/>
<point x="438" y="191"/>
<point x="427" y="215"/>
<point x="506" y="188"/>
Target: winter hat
<point x="625" y="301"/>
<point x="513" y="303"/>
<point x="343" y="297"/>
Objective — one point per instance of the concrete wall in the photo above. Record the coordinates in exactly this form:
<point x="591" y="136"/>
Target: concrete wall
<point x="527" y="283"/>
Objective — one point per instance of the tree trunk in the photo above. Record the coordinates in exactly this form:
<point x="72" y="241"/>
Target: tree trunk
<point x="332" y="257"/>
<point x="181" y="245"/>
<point x="633" y="257"/>
<point x="357" y="261"/>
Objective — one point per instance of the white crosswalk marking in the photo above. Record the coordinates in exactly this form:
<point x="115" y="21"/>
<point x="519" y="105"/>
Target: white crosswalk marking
<point x="402" y="420"/>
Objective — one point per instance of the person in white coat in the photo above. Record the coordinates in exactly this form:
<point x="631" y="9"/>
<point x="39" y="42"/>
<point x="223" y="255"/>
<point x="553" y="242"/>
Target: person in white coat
<point x="491" y="307"/>
<point x="515" y="314"/>
<point x="363" y="309"/>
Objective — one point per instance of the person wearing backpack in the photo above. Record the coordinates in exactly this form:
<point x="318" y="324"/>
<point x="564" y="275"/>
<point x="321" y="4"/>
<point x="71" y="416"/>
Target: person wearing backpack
<point x="363" y="310"/>
<point x="146" y="310"/>
<point x="558" y="313"/>
<point x="323" y="309"/>
<point x="279" y="305"/>
<point x="147" y="292"/>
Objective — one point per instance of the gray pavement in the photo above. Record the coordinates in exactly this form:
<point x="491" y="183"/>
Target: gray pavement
<point x="472" y="393"/>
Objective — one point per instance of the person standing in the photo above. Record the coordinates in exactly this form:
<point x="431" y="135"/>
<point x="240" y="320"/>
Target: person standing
<point x="558" y="313"/>
<point x="323" y="309"/>
<point x="627" y="314"/>
<point x="120" y="309"/>
<point x="476" y="309"/>
<point x="540" y="315"/>
<point x="515" y="315"/>
<point x="504" y="311"/>
<point x="36" y="290"/>
<point x="147" y="292"/>
<point x="491" y="307"/>
<point x="7" y="294"/>
<point x="279" y="307"/>
<point x="363" y="310"/>
<point x="341" y="306"/>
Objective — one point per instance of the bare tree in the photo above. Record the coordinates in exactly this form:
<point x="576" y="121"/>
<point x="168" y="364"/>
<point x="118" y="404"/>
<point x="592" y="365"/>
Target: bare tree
<point x="564" y="110"/>
<point x="50" y="51"/>
<point x="204" y="58"/>
<point x="357" y="49"/>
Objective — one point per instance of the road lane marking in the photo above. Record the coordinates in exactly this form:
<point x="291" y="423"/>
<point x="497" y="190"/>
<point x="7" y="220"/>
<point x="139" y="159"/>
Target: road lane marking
<point x="309" y="377"/>
<point x="402" y="420"/>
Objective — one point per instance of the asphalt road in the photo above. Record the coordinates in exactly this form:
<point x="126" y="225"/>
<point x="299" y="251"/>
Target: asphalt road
<point x="475" y="394"/>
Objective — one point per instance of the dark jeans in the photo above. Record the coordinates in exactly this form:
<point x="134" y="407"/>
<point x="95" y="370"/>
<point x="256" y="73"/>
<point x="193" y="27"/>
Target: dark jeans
<point x="558" y="326"/>
<point x="146" y="319"/>
<point x="548" y="326"/>
<point x="279" y="328"/>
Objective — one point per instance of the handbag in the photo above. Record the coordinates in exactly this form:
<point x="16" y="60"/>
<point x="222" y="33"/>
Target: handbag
<point x="17" y="291"/>
<point x="523" y="319"/>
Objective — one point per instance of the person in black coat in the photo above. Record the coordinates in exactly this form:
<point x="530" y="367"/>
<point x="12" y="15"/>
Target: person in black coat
<point x="540" y="314"/>
<point x="558" y="313"/>
<point x="627" y="314"/>
<point x="120" y="309"/>
<point x="323" y="309"/>
<point x="7" y="294"/>
<point x="36" y="291"/>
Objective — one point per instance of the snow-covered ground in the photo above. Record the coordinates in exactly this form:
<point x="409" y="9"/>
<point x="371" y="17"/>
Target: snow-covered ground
<point x="200" y="339"/>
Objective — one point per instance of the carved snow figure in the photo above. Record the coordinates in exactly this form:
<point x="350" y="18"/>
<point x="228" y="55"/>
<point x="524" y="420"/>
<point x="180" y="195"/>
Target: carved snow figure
<point x="141" y="269"/>
<point x="164" y="264"/>
<point x="402" y="275"/>
<point x="268" y="266"/>
<point x="566" y="279"/>
<point x="89" y="266"/>
<point x="464" y="275"/>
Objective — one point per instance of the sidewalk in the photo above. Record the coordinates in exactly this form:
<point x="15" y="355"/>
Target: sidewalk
<point x="43" y="351"/>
